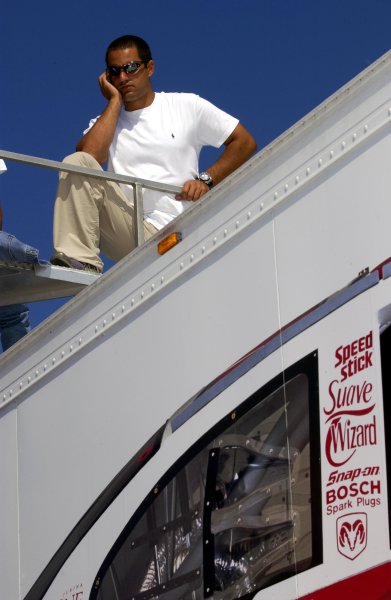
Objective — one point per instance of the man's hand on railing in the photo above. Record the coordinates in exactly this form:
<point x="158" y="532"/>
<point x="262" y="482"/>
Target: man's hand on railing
<point x="192" y="190"/>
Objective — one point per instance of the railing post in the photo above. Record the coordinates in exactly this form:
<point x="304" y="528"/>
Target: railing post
<point x="138" y="219"/>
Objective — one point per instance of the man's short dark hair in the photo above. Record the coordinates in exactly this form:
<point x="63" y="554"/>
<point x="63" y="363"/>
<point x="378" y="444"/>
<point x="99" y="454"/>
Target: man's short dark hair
<point x="130" y="41"/>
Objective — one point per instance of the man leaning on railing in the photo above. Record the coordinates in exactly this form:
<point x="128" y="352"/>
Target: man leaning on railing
<point x="148" y="135"/>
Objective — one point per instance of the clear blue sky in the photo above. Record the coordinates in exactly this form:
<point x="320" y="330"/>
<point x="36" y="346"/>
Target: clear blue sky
<point x="268" y="62"/>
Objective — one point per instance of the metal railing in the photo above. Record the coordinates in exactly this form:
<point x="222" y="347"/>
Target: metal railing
<point x="136" y="183"/>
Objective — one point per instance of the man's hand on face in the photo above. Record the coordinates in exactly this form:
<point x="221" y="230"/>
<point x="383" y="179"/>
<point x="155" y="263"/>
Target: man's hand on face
<point x="108" y="90"/>
<point x="192" y="190"/>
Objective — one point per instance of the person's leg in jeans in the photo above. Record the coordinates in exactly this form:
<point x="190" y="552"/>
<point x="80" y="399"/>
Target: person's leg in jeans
<point x="14" y="324"/>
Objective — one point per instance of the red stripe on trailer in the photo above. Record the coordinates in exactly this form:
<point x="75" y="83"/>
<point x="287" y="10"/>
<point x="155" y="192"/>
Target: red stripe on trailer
<point x="374" y="584"/>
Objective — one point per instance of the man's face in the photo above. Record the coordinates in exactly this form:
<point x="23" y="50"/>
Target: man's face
<point x="135" y="88"/>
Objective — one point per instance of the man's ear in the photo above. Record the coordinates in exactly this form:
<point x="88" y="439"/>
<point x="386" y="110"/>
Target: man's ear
<point x="151" y="67"/>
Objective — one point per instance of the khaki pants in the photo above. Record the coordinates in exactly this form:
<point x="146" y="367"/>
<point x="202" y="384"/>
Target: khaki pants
<point x="92" y="215"/>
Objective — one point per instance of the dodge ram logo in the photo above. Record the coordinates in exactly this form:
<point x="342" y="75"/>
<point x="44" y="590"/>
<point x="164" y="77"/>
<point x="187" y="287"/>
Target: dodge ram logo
<point x="352" y="534"/>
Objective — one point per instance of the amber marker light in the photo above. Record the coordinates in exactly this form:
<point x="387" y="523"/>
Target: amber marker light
<point x="169" y="242"/>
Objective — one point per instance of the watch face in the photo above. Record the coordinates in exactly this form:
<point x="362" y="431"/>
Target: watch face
<point x="206" y="178"/>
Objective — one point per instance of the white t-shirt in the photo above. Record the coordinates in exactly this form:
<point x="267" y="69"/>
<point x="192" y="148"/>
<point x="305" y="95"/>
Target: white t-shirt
<point x="2" y="166"/>
<point x="162" y="142"/>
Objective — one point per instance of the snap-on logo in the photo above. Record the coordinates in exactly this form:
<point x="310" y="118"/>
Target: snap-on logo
<point x="352" y="534"/>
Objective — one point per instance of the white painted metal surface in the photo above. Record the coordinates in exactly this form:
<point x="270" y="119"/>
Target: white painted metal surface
<point x="22" y="283"/>
<point x="83" y="392"/>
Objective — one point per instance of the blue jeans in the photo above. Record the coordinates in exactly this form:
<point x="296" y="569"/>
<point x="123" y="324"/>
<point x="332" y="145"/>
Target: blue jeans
<point x="14" y="320"/>
<point x="13" y="250"/>
<point x="14" y="324"/>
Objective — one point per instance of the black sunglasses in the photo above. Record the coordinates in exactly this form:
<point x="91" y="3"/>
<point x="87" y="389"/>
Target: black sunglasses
<point x="129" y="68"/>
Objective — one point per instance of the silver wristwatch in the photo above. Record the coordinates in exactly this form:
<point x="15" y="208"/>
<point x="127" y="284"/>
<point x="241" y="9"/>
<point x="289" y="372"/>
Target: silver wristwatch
<point x="206" y="178"/>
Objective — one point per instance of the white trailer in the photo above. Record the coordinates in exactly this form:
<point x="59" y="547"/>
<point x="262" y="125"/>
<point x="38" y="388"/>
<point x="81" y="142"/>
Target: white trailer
<point x="213" y="422"/>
